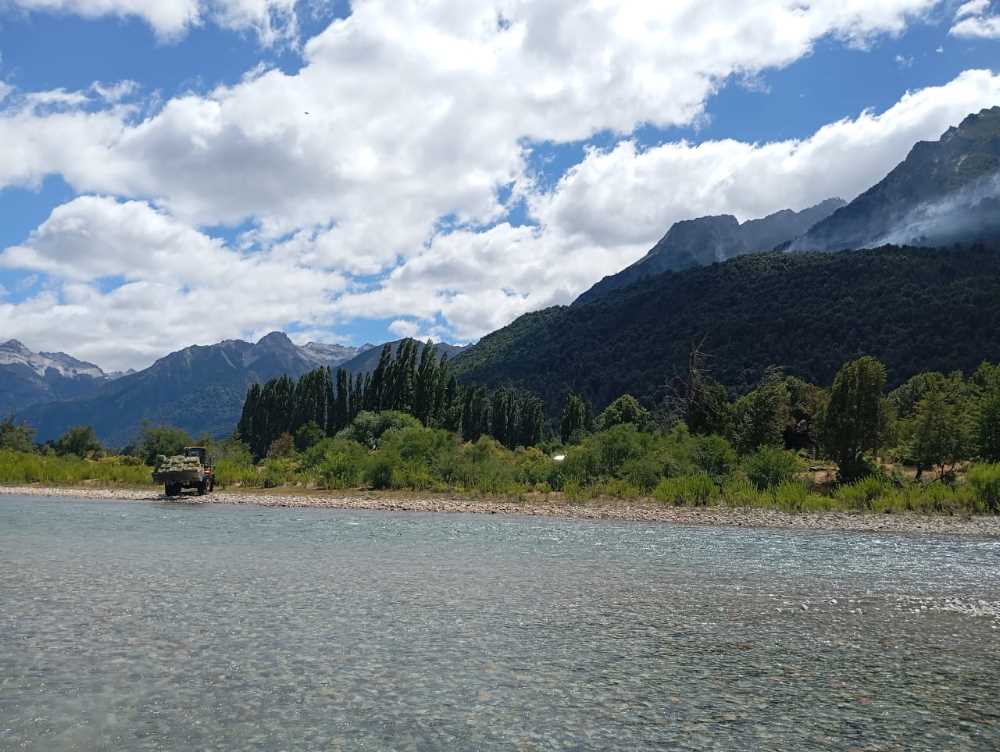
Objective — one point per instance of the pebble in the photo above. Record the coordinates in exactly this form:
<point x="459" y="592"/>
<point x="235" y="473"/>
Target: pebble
<point x="623" y="510"/>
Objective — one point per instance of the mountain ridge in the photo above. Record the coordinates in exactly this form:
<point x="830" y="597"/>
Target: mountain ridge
<point x="712" y="239"/>
<point x="29" y="378"/>
<point x="945" y="191"/>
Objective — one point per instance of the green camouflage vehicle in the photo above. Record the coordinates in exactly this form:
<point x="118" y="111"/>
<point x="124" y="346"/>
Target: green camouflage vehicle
<point x="189" y="470"/>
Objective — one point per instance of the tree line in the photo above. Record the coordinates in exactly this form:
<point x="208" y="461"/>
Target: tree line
<point x="933" y="421"/>
<point x="412" y="378"/>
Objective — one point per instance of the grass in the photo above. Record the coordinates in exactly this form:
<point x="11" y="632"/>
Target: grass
<point x="428" y="461"/>
<point x="24" y="468"/>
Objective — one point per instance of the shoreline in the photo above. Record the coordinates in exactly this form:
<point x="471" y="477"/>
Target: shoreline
<point x="616" y="511"/>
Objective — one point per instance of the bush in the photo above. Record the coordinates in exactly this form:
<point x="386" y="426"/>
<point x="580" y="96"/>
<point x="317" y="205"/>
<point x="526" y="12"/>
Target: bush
<point x="687" y="490"/>
<point x="341" y="463"/>
<point x="984" y="481"/>
<point x="863" y="495"/>
<point x="740" y="492"/>
<point x="378" y="472"/>
<point x="714" y="456"/>
<point x="368" y="428"/>
<point x="308" y="435"/>
<point x="17" y="437"/>
<point x="790" y="496"/>
<point x="769" y="467"/>
<point x="162" y="440"/>
<point x="80" y="441"/>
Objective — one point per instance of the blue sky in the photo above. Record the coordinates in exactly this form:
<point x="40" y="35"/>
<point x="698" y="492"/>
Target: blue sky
<point x="448" y="176"/>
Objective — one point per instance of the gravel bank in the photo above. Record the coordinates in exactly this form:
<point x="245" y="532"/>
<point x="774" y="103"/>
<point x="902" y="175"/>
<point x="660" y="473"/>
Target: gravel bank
<point x="636" y="511"/>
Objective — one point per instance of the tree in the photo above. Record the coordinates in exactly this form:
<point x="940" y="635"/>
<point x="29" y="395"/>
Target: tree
<point x="857" y="417"/>
<point x="283" y="446"/>
<point x="16" y="437"/>
<point x="761" y="417"/>
<point x="988" y="428"/>
<point x="164" y="441"/>
<point x="576" y="418"/>
<point x="308" y="436"/>
<point x="625" y="409"/>
<point x="941" y="435"/>
<point x="697" y="399"/>
<point x="80" y="441"/>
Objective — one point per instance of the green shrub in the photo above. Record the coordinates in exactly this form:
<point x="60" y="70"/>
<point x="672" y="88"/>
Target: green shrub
<point x="231" y="473"/>
<point x="984" y="481"/>
<point x="714" y="456"/>
<point x="740" y="492"/>
<point x="769" y="467"/>
<point x="687" y="490"/>
<point x="368" y="428"/>
<point x="863" y="495"/>
<point x="378" y="472"/>
<point x="790" y="496"/>
<point x="341" y="463"/>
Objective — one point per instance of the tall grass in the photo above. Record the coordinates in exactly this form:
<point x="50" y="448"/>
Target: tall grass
<point x="23" y="467"/>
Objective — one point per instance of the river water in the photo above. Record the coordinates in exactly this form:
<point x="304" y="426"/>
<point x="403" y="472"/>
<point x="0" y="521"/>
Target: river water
<point x="209" y="627"/>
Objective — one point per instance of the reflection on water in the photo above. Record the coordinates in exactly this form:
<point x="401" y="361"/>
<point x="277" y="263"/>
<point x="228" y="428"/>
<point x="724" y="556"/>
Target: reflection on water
<point x="153" y="627"/>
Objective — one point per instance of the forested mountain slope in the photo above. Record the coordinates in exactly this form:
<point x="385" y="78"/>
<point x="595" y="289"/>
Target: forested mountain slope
<point x="914" y="309"/>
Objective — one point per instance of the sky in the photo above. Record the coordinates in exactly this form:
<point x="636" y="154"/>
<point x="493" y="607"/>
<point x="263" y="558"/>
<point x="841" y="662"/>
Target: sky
<point x="179" y="172"/>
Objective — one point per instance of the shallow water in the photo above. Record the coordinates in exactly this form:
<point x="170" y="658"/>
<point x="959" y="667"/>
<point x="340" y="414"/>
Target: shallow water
<point x="202" y="627"/>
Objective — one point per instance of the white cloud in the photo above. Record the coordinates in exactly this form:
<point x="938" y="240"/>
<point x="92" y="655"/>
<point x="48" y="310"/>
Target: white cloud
<point x="271" y="20"/>
<point x="975" y="20"/>
<point x="611" y="208"/>
<point x="169" y="284"/>
<point x="417" y="111"/>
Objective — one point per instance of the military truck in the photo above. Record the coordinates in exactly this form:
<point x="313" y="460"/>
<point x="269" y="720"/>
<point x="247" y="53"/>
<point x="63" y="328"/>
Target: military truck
<point x="189" y="470"/>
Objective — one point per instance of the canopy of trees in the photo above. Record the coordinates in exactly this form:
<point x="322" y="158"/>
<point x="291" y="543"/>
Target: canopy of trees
<point x="323" y="403"/>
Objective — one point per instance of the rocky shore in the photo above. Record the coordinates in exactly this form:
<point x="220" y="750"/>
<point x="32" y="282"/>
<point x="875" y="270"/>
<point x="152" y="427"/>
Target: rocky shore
<point x="620" y="510"/>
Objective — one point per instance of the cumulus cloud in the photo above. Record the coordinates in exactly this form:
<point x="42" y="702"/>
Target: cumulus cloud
<point x="976" y="20"/>
<point x="409" y="116"/>
<point x="272" y="20"/>
<point x="419" y="110"/>
<point x="169" y="284"/>
<point x="610" y="209"/>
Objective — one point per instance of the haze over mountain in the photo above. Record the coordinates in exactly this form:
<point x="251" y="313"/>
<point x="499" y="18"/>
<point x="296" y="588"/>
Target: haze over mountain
<point x="707" y="240"/>
<point x="200" y="389"/>
<point x="27" y="378"/>
<point x="945" y="191"/>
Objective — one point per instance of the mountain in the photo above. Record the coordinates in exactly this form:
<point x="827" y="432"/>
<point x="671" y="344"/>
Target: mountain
<point x="28" y="378"/>
<point x="332" y="355"/>
<point x="367" y="361"/>
<point x="944" y="192"/>
<point x="200" y="389"/>
<point x="914" y="309"/>
<point x="704" y="241"/>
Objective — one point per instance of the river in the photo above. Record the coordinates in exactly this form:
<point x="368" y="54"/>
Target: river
<point x="170" y="626"/>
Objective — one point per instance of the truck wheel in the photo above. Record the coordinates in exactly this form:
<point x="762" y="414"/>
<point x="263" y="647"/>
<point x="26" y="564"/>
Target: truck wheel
<point x="201" y="488"/>
<point x="171" y="490"/>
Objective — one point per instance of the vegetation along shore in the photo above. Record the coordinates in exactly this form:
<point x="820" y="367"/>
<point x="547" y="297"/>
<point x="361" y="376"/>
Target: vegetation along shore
<point x="407" y="436"/>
